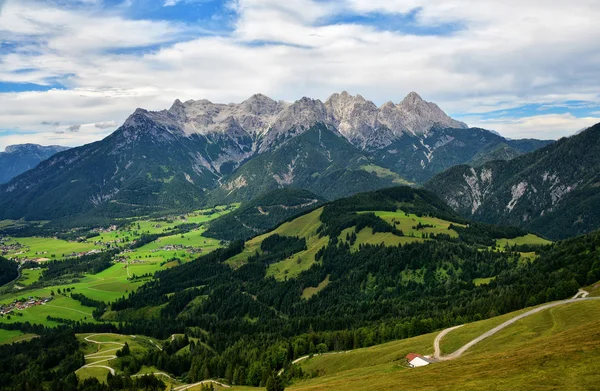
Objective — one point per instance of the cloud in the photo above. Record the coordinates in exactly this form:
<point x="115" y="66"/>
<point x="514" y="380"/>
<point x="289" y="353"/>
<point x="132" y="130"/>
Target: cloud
<point x="110" y="63"/>
<point x="106" y="125"/>
<point x="170" y="3"/>
<point x="50" y="123"/>
<point x="74" y="128"/>
<point x="549" y="126"/>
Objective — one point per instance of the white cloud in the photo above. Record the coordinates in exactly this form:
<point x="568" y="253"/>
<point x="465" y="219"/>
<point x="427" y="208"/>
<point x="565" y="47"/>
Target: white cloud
<point x="499" y="59"/>
<point x="549" y="126"/>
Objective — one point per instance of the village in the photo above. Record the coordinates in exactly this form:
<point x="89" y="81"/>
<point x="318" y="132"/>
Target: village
<point x="23" y="304"/>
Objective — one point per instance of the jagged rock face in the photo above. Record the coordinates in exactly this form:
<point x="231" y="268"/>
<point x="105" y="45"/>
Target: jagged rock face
<point x="253" y="116"/>
<point x="420" y="117"/>
<point x="268" y="123"/>
<point x="357" y="119"/>
<point x="554" y="191"/>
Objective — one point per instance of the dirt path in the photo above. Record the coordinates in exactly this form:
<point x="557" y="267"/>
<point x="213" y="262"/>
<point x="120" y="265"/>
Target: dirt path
<point x="155" y="374"/>
<point x="296" y="361"/>
<point x="581" y="293"/>
<point x="186" y="386"/>
<point x="437" y="355"/>
<point x="436" y="344"/>
<point x="68" y="309"/>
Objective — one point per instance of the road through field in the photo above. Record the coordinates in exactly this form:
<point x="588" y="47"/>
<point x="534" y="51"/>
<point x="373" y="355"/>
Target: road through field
<point x="436" y="344"/>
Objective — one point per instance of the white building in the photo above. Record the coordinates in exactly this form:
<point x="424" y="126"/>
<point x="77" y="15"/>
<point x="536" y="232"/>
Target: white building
<point x="416" y="360"/>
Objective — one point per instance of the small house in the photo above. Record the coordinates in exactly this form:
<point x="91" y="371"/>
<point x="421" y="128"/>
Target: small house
<point x="416" y="360"/>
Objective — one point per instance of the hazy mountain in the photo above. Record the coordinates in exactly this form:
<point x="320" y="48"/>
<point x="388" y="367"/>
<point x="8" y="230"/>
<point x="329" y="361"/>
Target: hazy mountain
<point x="554" y="190"/>
<point x="17" y="159"/>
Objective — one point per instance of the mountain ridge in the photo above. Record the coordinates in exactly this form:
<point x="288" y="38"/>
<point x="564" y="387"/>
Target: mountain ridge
<point x="554" y="190"/>
<point x="16" y="159"/>
<point x="198" y="153"/>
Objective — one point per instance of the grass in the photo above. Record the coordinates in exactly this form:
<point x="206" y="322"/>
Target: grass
<point x="309" y="292"/>
<point x="556" y="349"/>
<point x="391" y="353"/>
<point x="366" y="236"/>
<point x="154" y="252"/>
<point x="112" y="283"/>
<point x="110" y="343"/>
<point x="11" y="336"/>
<point x="593" y="289"/>
<point x="483" y="281"/>
<point x="386" y="174"/>
<point x="527" y="239"/>
<point x="406" y="221"/>
<point x="29" y="276"/>
<point x="99" y="373"/>
<point x="61" y="307"/>
<point x="50" y="248"/>
<point x="304" y="227"/>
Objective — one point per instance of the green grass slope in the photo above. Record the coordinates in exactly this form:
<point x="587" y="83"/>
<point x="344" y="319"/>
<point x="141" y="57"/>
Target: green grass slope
<point x="554" y="349"/>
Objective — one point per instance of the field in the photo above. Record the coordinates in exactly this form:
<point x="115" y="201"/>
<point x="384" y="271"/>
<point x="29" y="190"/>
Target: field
<point x="166" y="247"/>
<point x="304" y="227"/>
<point x="11" y="336"/>
<point x="50" y="248"/>
<point x="527" y="239"/>
<point x="385" y="173"/>
<point x="114" y="282"/>
<point x="407" y="223"/>
<point x="29" y="276"/>
<point x="554" y="349"/>
<point x="309" y="292"/>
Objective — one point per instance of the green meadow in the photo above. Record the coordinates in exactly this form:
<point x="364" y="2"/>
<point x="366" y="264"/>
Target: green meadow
<point x="557" y="349"/>
<point x="12" y="336"/>
<point x="116" y="281"/>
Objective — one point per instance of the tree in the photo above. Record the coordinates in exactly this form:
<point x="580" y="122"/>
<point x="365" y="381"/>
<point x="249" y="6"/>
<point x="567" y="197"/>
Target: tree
<point x="274" y="383"/>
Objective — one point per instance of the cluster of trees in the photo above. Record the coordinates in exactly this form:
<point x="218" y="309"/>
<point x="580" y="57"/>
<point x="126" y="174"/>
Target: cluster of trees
<point x="93" y="264"/>
<point x="262" y="213"/>
<point x="8" y="271"/>
<point x="100" y="306"/>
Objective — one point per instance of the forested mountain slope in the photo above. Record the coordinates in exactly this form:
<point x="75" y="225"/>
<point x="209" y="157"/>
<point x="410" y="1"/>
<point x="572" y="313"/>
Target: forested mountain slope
<point x="554" y="190"/>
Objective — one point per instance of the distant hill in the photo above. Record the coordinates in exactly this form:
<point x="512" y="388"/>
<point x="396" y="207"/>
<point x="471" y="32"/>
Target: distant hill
<point x="262" y="213"/>
<point x="554" y="191"/>
<point x="17" y="159"/>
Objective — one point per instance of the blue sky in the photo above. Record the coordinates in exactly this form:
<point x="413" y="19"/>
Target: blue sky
<point x="526" y="68"/>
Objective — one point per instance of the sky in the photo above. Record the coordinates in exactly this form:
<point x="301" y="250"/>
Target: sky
<point x="71" y="71"/>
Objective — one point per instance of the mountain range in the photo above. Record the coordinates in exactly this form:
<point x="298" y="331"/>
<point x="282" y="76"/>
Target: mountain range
<point x="16" y="159"/>
<point x="198" y="152"/>
<point x="554" y="190"/>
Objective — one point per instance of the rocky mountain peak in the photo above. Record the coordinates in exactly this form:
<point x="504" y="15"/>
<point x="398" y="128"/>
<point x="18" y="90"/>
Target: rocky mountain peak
<point x="32" y="148"/>
<point x="412" y="99"/>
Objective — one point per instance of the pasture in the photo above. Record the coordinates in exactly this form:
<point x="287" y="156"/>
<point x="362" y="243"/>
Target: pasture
<point x="557" y="349"/>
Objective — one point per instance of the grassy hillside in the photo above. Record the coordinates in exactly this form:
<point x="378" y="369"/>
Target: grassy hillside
<point x="263" y="213"/>
<point x="554" y="349"/>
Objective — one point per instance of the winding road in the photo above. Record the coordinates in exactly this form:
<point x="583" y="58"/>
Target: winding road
<point x="436" y="344"/>
<point x="101" y="355"/>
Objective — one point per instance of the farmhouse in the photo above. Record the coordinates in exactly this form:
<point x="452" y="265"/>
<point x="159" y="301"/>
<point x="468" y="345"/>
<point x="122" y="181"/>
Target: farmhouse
<point x="416" y="360"/>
